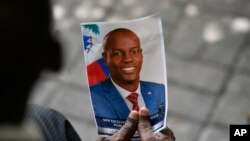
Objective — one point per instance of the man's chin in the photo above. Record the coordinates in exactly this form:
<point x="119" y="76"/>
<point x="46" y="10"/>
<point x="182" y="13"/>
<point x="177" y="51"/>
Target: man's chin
<point x="129" y="81"/>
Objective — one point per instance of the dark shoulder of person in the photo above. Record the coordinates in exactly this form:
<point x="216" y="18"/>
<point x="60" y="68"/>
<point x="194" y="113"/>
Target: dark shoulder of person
<point x="53" y="125"/>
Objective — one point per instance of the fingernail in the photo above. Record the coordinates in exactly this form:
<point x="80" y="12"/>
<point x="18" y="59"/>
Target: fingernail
<point x="133" y="114"/>
<point x="144" y="111"/>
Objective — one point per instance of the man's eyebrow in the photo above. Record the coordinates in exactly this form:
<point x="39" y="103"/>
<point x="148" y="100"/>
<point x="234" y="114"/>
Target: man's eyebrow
<point x="136" y="47"/>
<point x="112" y="50"/>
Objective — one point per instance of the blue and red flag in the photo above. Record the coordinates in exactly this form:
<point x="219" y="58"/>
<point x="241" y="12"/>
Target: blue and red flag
<point x="96" y="69"/>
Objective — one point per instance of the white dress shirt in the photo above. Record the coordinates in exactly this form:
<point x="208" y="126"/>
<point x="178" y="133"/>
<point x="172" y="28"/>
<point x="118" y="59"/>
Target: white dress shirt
<point x="124" y="93"/>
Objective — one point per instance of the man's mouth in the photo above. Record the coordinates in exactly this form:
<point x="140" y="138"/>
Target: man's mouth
<point x="128" y="69"/>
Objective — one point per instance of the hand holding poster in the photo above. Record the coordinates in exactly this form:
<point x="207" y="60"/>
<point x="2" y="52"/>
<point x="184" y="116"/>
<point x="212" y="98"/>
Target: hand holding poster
<point x="126" y="70"/>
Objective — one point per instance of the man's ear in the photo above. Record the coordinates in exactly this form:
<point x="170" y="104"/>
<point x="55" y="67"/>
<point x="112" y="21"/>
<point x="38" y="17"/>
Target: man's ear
<point x="104" y="57"/>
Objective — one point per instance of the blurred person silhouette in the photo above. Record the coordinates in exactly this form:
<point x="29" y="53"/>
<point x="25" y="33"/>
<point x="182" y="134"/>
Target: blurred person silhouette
<point x="27" y="48"/>
<point x="25" y="44"/>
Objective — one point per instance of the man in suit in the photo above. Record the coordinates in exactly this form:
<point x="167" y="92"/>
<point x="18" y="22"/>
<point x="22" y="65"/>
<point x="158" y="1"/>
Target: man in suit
<point x="111" y="97"/>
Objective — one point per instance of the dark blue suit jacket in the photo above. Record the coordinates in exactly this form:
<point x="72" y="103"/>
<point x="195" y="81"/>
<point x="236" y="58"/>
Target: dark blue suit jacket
<point x="107" y="102"/>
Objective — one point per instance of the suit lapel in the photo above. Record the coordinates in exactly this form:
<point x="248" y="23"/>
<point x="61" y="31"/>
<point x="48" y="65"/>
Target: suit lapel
<point x="147" y="95"/>
<point x="116" y="100"/>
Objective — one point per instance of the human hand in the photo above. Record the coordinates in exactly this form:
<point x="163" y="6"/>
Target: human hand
<point x="141" y="121"/>
<point x="127" y="131"/>
<point x="145" y="129"/>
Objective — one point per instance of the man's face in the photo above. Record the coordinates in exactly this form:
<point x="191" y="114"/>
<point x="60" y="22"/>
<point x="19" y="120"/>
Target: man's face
<point x="123" y="56"/>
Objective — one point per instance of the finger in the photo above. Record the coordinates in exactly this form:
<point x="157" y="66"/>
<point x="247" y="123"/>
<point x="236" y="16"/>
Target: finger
<point x="165" y="135"/>
<point x="144" y="126"/>
<point x="129" y="128"/>
<point x="168" y="133"/>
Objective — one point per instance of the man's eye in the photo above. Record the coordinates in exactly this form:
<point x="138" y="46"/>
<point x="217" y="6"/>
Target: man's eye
<point x="116" y="53"/>
<point x="136" y="51"/>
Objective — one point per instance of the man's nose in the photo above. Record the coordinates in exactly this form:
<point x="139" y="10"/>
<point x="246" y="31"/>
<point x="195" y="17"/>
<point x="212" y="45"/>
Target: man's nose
<point x="127" y="57"/>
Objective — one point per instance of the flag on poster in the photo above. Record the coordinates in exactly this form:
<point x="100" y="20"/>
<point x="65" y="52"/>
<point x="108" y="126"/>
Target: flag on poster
<point x="110" y="107"/>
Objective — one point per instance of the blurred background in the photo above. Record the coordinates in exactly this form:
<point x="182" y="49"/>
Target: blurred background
<point x="208" y="63"/>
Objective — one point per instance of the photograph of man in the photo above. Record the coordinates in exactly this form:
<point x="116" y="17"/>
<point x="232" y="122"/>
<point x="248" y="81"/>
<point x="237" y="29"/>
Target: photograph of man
<point x="123" y="90"/>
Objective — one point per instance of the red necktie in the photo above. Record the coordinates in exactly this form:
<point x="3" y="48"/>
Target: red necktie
<point x="133" y="99"/>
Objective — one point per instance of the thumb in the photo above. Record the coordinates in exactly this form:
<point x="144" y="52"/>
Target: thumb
<point x="128" y="129"/>
<point x="144" y="126"/>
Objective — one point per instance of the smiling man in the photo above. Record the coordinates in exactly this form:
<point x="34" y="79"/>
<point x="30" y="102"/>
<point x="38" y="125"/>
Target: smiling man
<point x="123" y="56"/>
<point x="123" y="90"/>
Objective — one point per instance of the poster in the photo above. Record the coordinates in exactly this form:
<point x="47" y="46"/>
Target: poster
<point x="122" y="58"/>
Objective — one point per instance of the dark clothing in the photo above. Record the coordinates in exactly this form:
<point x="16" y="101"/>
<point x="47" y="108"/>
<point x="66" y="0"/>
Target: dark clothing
<point x="53" y="126"/>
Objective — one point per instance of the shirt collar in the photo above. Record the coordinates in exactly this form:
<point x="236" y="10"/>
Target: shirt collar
<point x="124" y="93"/>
